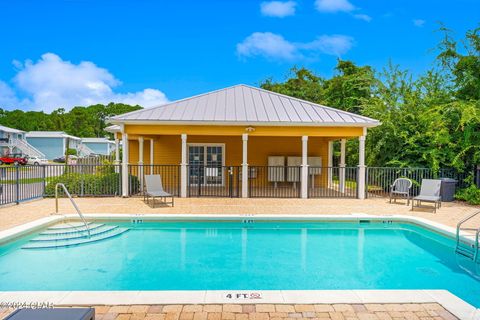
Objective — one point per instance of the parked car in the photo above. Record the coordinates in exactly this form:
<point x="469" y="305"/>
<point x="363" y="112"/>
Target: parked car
<point x="16" y="159"/>
<point x="62" y="159"/>
<point x="36" y="161"/>
<point x="59" y="159"/>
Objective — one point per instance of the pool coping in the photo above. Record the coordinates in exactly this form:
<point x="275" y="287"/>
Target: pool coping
<point x="449" y="301"/>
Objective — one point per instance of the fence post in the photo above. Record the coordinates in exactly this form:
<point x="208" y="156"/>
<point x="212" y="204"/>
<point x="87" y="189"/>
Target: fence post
<point x="230" y="182"/>
<point x="17" y="187"/>
<point x="477" y="175"/>
<point x="366" y="182"/>
<point x="44" y="179"/>
<point x="82" y="182"/>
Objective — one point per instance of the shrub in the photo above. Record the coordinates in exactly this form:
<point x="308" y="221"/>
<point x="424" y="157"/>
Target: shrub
<point x="106" y="167"/>
<point x="91" y="184"/>
<point x="72" y="152"/>
<point x="471" y="195"/>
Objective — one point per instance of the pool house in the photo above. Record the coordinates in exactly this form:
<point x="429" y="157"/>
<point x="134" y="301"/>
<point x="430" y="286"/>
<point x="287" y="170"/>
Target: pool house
<point x="242" y="141"/>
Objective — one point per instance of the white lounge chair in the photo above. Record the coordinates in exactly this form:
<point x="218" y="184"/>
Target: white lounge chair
<point x="400" y="189"/>
<point x="154" y="189"/>
<point x="429" y="192"/>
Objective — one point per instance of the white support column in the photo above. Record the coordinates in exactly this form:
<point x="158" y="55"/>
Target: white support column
<point x="152" y="144"/>
<point x="343" y="143"/>
<point x="330" y="165"/>
<point x="125" y="186"/>
<point x="140" y="161"/>
<point x="117" y="154"/>
<point x="183" y="168"/>
<point x="361" y="165"/>
<point x="117" y="150"/>
<point x="245" y="165"/>
<point x="304" y="172"/>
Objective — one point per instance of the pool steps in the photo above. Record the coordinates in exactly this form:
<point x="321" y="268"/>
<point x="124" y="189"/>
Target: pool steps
<point x="61" y="237"/>
<point x="72" y="230"/>
<point x="69" y="225"/>
<point x="101" y="229"/>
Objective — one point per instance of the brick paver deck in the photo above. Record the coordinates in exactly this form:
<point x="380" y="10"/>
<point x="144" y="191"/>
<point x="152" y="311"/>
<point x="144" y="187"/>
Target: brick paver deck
<point x="427" y="311"/>
<point x="449" y="214"/>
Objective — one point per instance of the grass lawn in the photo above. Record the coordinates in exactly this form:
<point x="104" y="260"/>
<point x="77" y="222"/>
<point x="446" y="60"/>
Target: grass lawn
<point x="353" y="184"/>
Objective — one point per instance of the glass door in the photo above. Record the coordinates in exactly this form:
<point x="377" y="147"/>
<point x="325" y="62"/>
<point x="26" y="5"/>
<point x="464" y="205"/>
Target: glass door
<point x="214" y="162"/>
<point x="206" y="164"/>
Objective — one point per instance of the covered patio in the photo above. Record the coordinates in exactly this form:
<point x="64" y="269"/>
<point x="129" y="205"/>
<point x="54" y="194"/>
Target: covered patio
<point x="243" y="142"/>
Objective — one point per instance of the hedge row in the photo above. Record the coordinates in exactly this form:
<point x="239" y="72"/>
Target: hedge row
<point x="91" y="184"/>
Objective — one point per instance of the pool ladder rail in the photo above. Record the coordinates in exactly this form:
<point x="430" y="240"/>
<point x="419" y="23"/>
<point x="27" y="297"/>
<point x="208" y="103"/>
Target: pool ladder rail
<point x="73" y="203"/>
<point x="465" y="248"/>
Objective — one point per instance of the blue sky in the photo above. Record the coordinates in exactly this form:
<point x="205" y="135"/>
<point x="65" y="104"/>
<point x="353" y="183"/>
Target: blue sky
<point x="75" y="52"/>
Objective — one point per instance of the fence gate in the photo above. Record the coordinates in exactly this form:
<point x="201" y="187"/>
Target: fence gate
<point x="208" y="181"/>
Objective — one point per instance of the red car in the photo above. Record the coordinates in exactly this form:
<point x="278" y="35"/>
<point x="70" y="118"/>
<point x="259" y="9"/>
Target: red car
<point x="13" y="159"/>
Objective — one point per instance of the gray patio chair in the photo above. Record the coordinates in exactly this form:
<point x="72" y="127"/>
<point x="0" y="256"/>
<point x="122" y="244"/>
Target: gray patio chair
<point x="429" y="192"/>
<point x="154" y="189"/>
<point x="400" y="189"/>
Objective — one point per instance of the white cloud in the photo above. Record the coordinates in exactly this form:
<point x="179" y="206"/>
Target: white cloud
<point x="51" y="82"/>
<point x="268" y="45"/>
<point x="335" y="45"/>
<point x="276" y="47"/>
<point x="418" y="22"/>
<point x="278" y="9"/>
<point x="8" y="99"/>
<point x="363" y="17"/>
<point x="334" y="5"/>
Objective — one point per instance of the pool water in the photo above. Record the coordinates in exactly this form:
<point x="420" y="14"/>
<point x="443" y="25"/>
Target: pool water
<point x="257" y="255"/>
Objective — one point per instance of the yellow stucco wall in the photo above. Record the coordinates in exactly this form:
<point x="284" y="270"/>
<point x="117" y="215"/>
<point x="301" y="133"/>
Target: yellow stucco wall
<point x="167" y="149"/>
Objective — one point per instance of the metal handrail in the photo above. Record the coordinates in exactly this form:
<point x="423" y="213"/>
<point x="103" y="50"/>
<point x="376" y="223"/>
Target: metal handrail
<point x="73" y="203"/>
<point x="477" y="233"/>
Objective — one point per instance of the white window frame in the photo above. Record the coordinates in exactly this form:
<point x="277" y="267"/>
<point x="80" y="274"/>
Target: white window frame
<point x="204" y="145"/>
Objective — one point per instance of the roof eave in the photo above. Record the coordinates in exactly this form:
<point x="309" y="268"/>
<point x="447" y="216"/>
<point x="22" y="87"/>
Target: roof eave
<point x="249" y="123"/>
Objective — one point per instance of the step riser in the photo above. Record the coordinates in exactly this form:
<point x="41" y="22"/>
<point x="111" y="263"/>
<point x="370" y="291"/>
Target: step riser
<point x="117" y="232"/>
<point x="52" y="232"/>
<point x="68" y="226"/>
<point x="81" y="236"/>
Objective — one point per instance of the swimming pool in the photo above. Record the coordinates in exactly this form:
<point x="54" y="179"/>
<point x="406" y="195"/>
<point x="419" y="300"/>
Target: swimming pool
<point x="251" y="254"/>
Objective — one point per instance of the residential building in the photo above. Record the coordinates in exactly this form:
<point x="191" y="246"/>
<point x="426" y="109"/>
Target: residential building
<point x="53" y="144"/>
<point x="12" y="141"/>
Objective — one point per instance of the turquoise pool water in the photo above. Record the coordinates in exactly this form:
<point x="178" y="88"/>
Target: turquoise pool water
<point x="237" y="255"/>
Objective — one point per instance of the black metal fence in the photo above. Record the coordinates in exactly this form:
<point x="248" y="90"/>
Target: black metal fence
<point x="21" y="183"/>
<point x="169" y="174"/>
<point x="379" y="179"/>
<point x="332" y="182"/>
<point x="274" y="182"/>
<point x="217" y="181"/>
